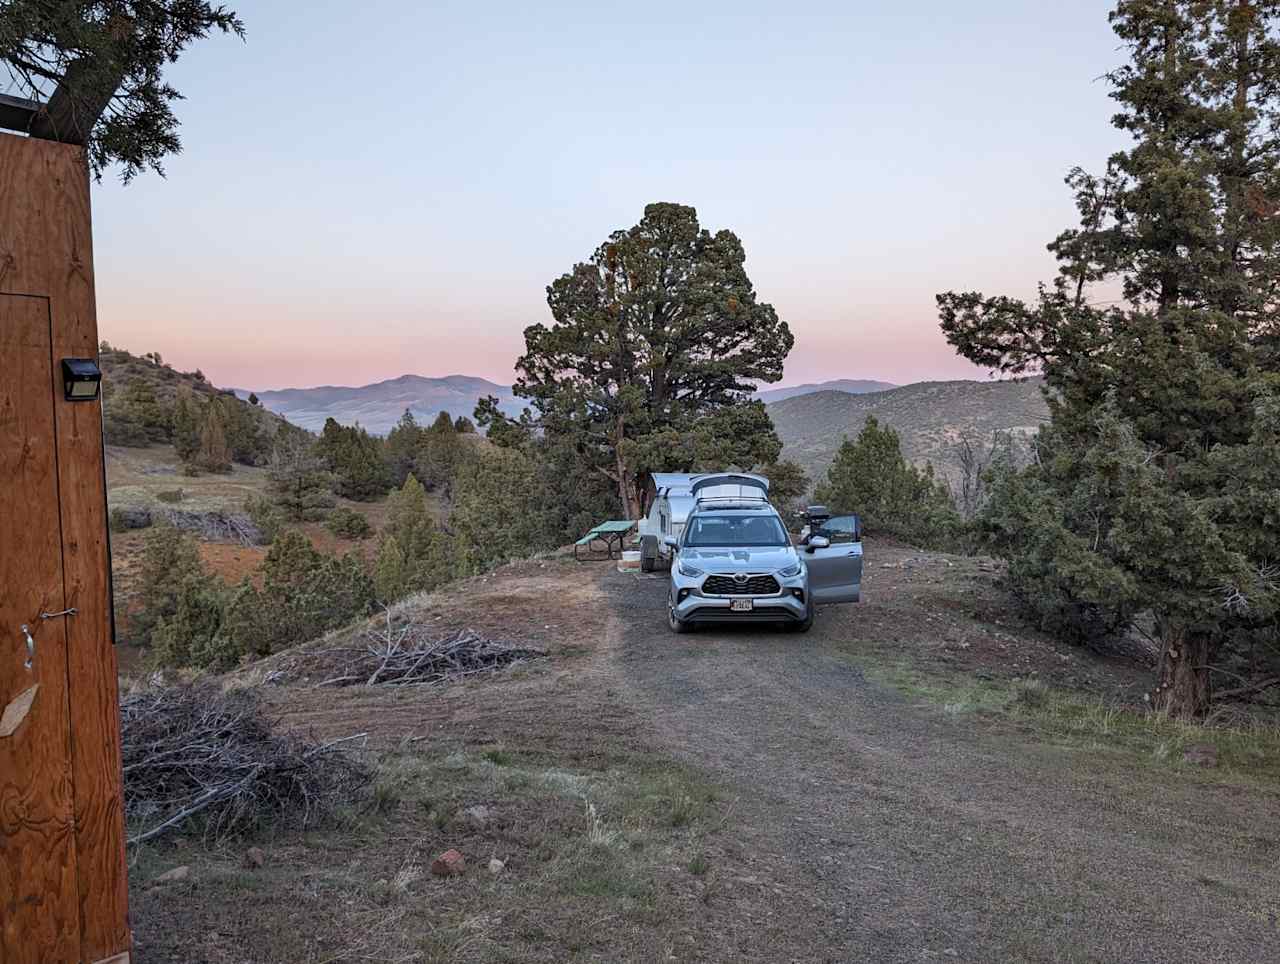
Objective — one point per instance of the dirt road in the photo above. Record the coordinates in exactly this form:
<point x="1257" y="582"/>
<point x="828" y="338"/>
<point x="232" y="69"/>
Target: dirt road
<point x="737" y="795"/>
<point x="877" y="829"/>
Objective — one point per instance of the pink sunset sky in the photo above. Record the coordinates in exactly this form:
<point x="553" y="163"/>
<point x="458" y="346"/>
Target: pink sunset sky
<point x="319" y="231"/>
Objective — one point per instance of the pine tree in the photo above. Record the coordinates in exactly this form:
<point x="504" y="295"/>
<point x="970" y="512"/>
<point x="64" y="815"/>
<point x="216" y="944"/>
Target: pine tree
<point x="1133" y="505"/>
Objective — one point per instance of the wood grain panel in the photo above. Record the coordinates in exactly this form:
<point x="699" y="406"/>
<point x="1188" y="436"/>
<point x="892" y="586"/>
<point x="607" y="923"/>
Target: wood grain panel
<point x="46" y="248"/>
<point x="39" y="899"/>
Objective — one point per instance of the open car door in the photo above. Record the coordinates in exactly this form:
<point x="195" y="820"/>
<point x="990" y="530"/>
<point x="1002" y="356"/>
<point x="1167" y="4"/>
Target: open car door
<point x="835" y="573"/>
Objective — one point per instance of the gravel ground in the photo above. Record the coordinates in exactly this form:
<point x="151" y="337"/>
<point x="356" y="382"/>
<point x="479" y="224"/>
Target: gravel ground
<point x="876" y="829"/>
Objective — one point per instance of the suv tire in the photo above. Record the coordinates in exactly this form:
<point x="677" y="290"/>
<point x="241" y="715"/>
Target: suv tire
<point x="805" y="624"/>
<point x="674" y="623"/>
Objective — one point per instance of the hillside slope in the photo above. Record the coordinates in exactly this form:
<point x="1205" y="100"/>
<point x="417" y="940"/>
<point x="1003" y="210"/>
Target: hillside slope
<point x="929" y="417"/>
<point x="124" y="373"/>
<point x="379" y="406"/>
<point x="854" y="386"/>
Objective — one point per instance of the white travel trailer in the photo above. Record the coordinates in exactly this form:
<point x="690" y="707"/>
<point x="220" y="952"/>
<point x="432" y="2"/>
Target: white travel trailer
<point x="670" y="500"/>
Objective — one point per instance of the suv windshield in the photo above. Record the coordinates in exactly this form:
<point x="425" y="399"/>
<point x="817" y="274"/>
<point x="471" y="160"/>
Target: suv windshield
<point x="735" y="530"/>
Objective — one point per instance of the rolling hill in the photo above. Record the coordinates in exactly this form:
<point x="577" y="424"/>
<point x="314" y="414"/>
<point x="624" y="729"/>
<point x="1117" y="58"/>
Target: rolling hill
<point x="123" y="370"/>
<point x="929" y="417"/>
<point x="379" y="406"/>
<point x="854" y="386"/>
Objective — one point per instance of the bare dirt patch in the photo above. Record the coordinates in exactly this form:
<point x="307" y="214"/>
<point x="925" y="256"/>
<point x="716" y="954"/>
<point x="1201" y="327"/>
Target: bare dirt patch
<point x="604" y="841"/>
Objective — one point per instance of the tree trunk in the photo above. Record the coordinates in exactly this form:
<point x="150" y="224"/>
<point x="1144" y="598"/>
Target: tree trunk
<point x="626" y="478"/>
<point x="1183" y="690"/>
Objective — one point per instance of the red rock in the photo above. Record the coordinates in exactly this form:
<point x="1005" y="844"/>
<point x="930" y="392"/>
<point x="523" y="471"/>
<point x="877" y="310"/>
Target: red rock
<point x="449" y="864"/>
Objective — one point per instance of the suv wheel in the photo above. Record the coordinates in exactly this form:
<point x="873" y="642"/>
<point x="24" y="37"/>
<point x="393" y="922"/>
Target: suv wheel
<point x="805" y="624"/>
<point x="674" y="623"/>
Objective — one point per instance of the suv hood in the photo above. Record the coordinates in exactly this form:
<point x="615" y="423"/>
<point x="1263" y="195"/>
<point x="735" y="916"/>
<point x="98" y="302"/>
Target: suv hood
<point x="764" y="559"/>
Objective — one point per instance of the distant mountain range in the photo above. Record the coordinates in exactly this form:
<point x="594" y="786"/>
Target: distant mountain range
<point x="811" y="419"/>
<point x="928" y="416"/>
<point x="379" y="406"/>
<point x="853" y="386"/>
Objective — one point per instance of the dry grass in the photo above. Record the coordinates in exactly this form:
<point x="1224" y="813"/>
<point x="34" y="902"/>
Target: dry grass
<point x="1067" y="717"/>
<point x="579" y="845"/>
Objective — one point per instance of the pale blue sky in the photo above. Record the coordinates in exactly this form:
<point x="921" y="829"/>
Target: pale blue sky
<point x="387" y="187"/>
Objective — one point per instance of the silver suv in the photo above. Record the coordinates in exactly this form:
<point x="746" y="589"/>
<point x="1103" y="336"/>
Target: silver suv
<point x="735" y="562"/>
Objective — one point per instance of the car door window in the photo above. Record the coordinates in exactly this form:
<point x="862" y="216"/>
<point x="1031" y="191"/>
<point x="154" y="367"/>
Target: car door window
<point x="839" y="529"/>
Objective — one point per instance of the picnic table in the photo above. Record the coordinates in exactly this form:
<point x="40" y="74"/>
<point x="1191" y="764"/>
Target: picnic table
<point x="612" y="534"/>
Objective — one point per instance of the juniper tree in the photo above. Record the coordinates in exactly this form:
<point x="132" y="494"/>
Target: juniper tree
<point x="246" y="439"/>
<point x="299" y="484"/>
<point x="871" y="477"/>
<point x="788" y="483"/>
<point x="423" y="554"/>
<point x="214" y="454"/>
<point x="500" y="511"/>
<point x="1133" y="513"/>
<point x="100" y="64"/>
<point x="440" y="453"/>
<point x="170" y="561"/>
<point x="355" y="460"/>
<point x="658" y="330"/>
<point x="186" y="426"/>
<point x="402" y="448"/>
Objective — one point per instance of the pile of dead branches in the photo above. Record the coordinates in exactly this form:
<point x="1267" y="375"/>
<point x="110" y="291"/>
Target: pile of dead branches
<point x="403" y="655"/>
<point x="213" y="526"/>
<point x="197" y="757"/>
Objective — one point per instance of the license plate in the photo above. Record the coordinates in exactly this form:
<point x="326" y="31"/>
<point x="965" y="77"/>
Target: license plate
<point x="740" y="606"/>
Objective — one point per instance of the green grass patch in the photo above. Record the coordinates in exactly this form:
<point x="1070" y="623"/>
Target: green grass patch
<point x="1075" y="720"/>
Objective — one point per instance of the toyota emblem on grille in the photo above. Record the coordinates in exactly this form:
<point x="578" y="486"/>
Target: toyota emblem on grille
<point x="740" y="578"/>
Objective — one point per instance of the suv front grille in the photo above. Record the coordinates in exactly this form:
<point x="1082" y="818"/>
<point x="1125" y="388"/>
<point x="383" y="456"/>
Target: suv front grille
<point x="726" y="586"/>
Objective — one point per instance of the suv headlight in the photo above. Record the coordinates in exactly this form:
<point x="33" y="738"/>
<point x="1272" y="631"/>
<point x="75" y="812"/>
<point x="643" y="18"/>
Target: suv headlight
<point x="691" y="571"/>
<point x="790" y="571"/>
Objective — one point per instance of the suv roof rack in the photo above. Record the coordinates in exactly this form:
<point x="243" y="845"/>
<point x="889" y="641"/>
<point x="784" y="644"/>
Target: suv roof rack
<point x="751" y="501"/>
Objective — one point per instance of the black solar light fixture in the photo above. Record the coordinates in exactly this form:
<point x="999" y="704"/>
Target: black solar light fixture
<point x="81" y="377"/>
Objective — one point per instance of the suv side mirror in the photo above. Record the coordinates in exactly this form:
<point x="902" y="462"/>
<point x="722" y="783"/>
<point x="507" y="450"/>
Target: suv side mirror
<point x="817" y="542"/>
<point x="671" y="542"/>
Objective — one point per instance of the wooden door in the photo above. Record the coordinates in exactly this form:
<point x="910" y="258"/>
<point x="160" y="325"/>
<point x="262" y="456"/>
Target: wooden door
<point x="39" y="901"/>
